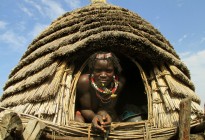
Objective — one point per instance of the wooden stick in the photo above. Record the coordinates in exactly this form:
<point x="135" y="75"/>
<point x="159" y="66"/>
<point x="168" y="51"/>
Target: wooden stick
<point x="184" y="119"/>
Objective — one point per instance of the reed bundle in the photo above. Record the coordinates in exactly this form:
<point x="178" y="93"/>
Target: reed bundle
<point x="55" y="109"/>
<point x="30" y="82"/>
<point x="166" y="104"/>
<point x="181" y="76"/>
<point x="28" y="70"/>
<point x="62" y="96"/>
<point x="165" y="107"/>
<point x="163" y="88"/>
<point x="179" y="90"/>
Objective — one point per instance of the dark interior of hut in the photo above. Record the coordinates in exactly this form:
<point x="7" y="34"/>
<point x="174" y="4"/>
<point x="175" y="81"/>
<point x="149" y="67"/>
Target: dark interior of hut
<point x="133" y="97"/>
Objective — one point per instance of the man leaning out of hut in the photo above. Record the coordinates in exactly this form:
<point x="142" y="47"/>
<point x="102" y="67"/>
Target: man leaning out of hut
<point x="98" y="91"/>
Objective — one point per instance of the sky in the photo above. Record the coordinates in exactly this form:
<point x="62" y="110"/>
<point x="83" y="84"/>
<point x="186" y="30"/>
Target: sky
<point x="182" y="22"/>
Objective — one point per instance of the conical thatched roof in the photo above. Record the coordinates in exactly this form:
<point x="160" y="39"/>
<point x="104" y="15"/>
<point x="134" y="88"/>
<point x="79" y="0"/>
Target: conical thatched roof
<point x="37" y="78"/>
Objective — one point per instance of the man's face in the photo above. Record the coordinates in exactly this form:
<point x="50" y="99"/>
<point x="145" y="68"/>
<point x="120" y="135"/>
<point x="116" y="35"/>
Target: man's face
<point x="103" y="72"/>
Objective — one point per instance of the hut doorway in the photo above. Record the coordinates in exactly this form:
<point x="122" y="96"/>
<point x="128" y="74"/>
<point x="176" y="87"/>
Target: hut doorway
<point x="133" y="95"/>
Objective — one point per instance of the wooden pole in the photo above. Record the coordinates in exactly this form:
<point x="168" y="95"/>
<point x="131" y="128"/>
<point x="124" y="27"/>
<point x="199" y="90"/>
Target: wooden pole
<point x="184" y="119"/>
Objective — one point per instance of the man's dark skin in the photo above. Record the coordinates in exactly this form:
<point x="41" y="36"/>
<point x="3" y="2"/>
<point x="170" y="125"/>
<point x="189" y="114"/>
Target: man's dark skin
<point x="92" y="109"/>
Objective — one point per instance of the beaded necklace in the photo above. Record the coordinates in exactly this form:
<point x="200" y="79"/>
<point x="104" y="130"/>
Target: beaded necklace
<point x="105" y="92"/>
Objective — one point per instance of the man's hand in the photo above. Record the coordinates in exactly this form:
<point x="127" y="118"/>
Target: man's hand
<point x="101" y="122"/>
<point x="106" y="119"/>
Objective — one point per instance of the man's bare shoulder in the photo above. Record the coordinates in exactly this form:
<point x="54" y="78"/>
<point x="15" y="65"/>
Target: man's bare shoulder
<point x="84" y="78"/>
<point x="83" y="82"/>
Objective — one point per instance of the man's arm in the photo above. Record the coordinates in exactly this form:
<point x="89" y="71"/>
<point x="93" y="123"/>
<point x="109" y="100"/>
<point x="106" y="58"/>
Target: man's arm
<point x="86" y="109"/>
<point x="85" y="97"/>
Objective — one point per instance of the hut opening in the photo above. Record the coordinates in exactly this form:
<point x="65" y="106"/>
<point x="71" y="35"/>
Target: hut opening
<point x="132" y="101"/>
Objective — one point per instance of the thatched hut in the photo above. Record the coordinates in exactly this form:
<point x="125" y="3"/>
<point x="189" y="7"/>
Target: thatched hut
<point x="43" y="84"/>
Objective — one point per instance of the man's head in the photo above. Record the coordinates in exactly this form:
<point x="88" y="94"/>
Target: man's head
<point x="105" y="56"/>
<point x="104" y="66"/>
